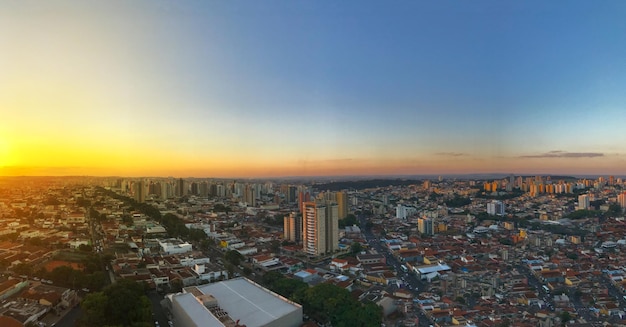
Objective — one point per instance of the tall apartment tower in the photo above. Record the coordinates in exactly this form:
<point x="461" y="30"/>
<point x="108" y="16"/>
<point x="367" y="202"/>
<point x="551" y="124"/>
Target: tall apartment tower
<point x="139" y="192"/>
<point x="292" y="227"/>
<point x="426" y="226"/>
<point x="583" y="202"/>
<point x="320" y="227"/>
<point x="342" y="203"/>
<point x="496" y="208"/>
<point x="180" y="188"/>
<point x="621" y="199"/>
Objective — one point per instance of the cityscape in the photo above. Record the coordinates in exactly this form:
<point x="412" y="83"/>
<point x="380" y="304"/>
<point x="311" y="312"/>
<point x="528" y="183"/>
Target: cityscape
<point x="304" y="164"/>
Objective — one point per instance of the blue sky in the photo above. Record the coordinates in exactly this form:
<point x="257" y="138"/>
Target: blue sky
<point x="338" y="87"/>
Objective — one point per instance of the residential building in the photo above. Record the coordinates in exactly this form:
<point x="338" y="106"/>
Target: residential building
<point x="320" y="227"/>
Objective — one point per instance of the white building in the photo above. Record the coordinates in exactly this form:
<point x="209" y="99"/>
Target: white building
<point x="174" y="246"/>
<point x="583" y="202"/>
<point x="233" y="301"/>
<point x="402" y="212"/>
<point x="210" y="272"/>
<point x="495" y="208"/>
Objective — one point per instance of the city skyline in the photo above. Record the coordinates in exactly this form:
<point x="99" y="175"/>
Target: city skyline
<point x="273" y="89"/>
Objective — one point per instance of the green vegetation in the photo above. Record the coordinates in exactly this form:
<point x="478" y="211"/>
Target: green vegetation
<point x="356" y="247"/>
<point x="174" y="226"/>
<point x="458" y="201"/>
<point x="221" y="208"/>
<point x="276" y="220"/>
<point x="325" y="302"/>
<point x="363" y="184"/>
<point x="614" y="210"/>
<point x="350" y="220"/>
<point x="582" y="214"/>
<point x="505" y="196"/>
<point x="234" y="257"/>
<point x="330" y="303"/>
<point x="121" y="304"/>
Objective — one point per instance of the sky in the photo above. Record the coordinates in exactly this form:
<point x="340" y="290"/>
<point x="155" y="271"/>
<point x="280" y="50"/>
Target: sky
<point x="309" y="88"/>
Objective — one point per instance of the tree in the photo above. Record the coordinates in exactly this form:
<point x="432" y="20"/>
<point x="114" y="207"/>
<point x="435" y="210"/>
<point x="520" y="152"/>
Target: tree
<point x="234" y="257"/>
<point x="614" y="210"/>
<point x="23" y="269"/>
<point x="330" y="303"/>
<point x="565" y="317"/>
<point x="349" y="220"/>
<point x="356" y="247"/>
<point x="119" y="304"/>
<point x="176" y="285"/>
<point x="93" y="309"/>
<point x="85" y="248"/>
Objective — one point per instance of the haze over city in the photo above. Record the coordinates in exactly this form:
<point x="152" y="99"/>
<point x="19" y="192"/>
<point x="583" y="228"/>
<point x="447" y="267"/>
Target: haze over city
<point x="302" y="88"/>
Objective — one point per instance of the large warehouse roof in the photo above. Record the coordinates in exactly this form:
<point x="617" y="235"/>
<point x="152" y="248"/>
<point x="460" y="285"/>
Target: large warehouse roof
<point x="252" y="304"/>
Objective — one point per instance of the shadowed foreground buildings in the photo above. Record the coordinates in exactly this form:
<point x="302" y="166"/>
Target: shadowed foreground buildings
<point x="231" y="303"/>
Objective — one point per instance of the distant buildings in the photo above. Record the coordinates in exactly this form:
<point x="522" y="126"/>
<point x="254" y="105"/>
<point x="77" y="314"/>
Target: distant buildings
<point x="320" y="227"/>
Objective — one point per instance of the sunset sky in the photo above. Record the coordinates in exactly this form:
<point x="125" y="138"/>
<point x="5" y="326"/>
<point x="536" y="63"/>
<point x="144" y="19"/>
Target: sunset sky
<point x="303" y="88"/>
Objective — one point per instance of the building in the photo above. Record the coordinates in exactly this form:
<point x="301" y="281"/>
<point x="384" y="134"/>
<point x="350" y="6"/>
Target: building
<point x="495" y="208"/>
<point x="320" y="227"/>
<point x="139" y="192"/>
<point x="583" y="202"/>
<point x="621" y="199"/>
<point x="292" y="225"/>
<point x="174" y="246"/>
<point x="235" y="302"/>
<point x="426" y="226"/>
<point x="402" y="212"/>
<point x="342" y="204"/>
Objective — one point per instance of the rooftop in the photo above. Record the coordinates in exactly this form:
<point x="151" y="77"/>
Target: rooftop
<point x="243" y="299"/>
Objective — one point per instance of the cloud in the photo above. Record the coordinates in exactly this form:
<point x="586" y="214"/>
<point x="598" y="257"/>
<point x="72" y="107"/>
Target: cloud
<point x="451" y="154"/>
<point x="564" y="154"/>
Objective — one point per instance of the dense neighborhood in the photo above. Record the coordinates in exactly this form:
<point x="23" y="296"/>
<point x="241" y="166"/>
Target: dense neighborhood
<point x="509" y="251"/>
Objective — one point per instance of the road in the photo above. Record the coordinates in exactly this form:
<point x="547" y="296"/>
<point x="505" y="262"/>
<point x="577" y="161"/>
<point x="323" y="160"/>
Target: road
<point x="158" y="314"/>
<point x="414" y="284"/>
<point x="69" y="320"/>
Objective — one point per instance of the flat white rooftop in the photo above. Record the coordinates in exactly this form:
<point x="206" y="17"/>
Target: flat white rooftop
<point x="244" y="300"/>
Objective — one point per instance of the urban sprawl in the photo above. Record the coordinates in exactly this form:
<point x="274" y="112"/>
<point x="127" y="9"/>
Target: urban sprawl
<point x="512" y="251"/>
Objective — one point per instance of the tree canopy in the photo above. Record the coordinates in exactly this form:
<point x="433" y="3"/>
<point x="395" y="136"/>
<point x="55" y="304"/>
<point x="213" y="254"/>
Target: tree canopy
<point x="121" y="304"/>
<point x="348" y="221"/>
<point x="325" y="302"/>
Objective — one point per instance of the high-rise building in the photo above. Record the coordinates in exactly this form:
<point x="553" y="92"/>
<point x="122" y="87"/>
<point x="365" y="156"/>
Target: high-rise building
<point x="303" y="196"/>
<point x="495" y="208"/>
<point x="583" y="202"/>
<point x="180" y="188"/>
<point x="289" y="228"/>
<point x="426" y="226"/>
<point x="320" y="227"/>
<point x="621" y="199"/>
<point x="292" y="227"/>
<point x="342" y="203"/>
<point x="139" y="192"/>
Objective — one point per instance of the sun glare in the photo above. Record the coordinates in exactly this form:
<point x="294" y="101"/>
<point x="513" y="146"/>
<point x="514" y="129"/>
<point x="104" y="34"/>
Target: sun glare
<point x="5" y="153"/>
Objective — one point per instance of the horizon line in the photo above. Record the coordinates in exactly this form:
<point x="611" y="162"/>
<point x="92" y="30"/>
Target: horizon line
<point x="417" y="176"/>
